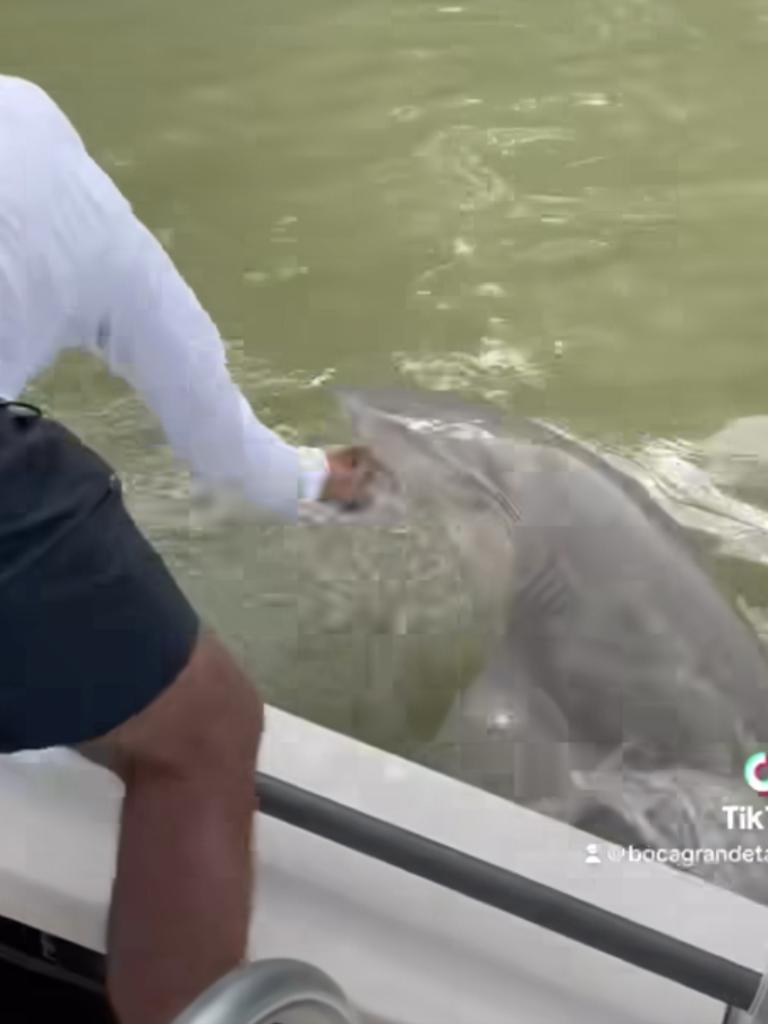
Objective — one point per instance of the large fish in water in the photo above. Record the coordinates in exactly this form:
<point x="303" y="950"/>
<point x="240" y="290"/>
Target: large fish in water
<point x="616" y="640"/>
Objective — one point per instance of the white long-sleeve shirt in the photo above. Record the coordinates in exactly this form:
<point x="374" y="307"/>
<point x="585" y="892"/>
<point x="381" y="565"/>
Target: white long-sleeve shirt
<point x="78" y="269"/>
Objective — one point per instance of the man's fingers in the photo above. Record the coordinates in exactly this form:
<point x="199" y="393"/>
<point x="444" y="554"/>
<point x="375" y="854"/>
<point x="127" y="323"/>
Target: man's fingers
<point x="353" y="472"/>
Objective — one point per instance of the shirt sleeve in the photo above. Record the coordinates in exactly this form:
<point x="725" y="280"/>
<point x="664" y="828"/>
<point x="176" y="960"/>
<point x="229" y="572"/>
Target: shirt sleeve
<point x="92" y="270"/>
<point x="156" y="335"/>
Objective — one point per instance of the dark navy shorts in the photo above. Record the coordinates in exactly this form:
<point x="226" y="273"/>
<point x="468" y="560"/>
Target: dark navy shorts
<point x="92" y="625"/>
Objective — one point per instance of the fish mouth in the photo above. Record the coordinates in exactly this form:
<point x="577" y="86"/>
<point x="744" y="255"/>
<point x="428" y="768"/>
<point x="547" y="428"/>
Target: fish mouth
<point x="421" y="437"/>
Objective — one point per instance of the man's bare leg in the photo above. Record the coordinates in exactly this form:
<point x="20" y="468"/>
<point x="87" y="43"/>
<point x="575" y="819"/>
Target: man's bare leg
<point x="181" y="900"/>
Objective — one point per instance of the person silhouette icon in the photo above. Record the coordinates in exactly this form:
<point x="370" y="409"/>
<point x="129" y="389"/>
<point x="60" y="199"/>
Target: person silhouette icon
<point x="592" y="854"/>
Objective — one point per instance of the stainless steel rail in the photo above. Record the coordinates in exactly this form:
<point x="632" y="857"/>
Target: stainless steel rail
<point x="272" y="992"/>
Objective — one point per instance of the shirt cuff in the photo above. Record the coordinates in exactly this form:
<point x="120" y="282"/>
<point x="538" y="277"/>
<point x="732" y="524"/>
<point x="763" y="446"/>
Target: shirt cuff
<point x="313" y="473"/>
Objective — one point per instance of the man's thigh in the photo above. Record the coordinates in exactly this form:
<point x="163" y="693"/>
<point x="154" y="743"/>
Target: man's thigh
<point x="93" y="626"/>
<point x="207" y="723"/>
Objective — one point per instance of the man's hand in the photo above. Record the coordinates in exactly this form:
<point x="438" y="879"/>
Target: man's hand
<point x="350" y="478"/>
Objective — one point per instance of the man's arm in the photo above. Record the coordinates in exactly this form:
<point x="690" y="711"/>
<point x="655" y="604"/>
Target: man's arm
<point x="156" y="335"/>
<point x="94" y="268"/>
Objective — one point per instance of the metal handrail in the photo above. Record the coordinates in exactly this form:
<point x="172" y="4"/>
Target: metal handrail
<point x="591" y="925"/>
<point x="271" y="992"/>
<point x="302" y="987"/>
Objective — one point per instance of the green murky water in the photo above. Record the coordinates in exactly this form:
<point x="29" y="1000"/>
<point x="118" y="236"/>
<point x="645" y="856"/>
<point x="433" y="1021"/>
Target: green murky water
<point x="560" y="206"/>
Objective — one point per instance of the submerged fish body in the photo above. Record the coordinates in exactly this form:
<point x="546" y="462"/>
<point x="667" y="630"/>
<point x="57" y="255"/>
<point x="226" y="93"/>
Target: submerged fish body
<point x="616" y="636"/>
